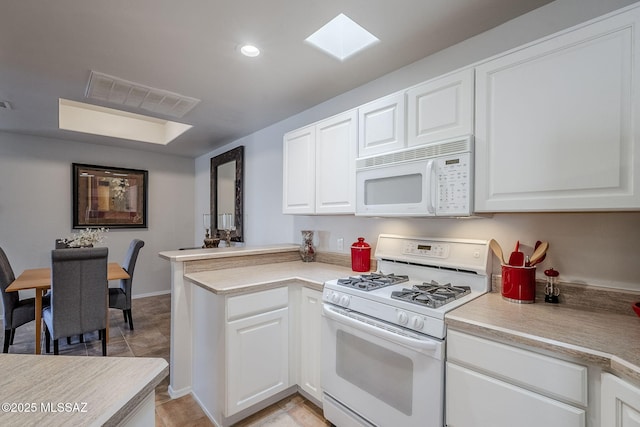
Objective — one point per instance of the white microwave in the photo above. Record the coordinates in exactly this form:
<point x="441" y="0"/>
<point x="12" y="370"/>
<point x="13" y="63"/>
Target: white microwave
<point x="431" y="180"/>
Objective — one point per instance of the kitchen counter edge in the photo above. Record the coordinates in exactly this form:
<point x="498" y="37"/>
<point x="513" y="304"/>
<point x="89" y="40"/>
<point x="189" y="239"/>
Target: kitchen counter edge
<point x="226" y="252"/>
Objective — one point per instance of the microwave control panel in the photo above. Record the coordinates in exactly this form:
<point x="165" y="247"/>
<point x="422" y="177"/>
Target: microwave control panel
<point x="453" y="185"/>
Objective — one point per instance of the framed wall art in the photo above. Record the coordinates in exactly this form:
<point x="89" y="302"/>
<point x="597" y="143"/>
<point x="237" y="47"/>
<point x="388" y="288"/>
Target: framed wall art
<point x="105" y="196"/>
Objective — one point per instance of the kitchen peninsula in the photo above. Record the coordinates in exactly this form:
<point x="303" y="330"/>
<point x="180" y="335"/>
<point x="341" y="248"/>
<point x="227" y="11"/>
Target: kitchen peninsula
<point x="236" y="317"/>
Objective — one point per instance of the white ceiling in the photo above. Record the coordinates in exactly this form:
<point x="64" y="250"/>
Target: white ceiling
<point x="48" y="48"/>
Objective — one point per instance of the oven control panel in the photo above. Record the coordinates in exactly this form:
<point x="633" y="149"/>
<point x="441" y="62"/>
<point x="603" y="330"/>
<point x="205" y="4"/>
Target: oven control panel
<point x="426" y="249"/>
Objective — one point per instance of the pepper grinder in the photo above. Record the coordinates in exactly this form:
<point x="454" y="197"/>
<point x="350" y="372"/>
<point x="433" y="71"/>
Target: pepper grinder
<point x="551" y="290"/>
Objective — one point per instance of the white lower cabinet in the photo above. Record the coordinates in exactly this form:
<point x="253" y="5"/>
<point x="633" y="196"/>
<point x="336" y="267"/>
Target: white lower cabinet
<point x="620" y="403"/>
<point x="257" y="347"/>
<point x="489" y="384"/>
<point x="310" y="350"/>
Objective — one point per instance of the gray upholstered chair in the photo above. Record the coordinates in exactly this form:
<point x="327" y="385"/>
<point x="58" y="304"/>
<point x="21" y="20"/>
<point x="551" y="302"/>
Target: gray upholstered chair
<point x="78" y="295"/>
<point x="17" y="312"/>
<point x="120" y="297"/>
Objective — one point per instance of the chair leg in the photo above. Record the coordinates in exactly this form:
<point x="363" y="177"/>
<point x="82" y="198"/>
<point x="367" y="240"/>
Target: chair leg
<point x="128" y="313"/>
<point x="13" y="335"/>
<point x="81" y="338"/>
<point x="7" y="340"/>
<point x="68" y="340"/>
<point x="124" y="314"/>
<point x="104" y="341"/>
<point x="47" y="339"/>
<point x="55" y="347"/>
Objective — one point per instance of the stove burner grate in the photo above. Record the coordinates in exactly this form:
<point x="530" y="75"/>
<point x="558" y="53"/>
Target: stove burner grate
<point x="431" y="294"/>
<point x="371" y="281"/>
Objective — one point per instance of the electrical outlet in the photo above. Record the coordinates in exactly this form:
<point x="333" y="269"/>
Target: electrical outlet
<point x="340" y="244"/>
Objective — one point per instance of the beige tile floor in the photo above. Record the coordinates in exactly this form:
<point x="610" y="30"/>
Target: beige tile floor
<point x="150" y="338"/>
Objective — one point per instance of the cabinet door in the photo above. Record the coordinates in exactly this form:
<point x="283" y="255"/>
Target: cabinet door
<point x="335" y="164"/>
<point x="381" y="125"/>
<point x="440" y="109"/>
<point x="477" y="400"/>
<point x="298" y="193"/>
<point x="310" y="318"/>
<point x="257" y="358"/>
<point x="556" y="122"/>
<point x="620" y="403"/>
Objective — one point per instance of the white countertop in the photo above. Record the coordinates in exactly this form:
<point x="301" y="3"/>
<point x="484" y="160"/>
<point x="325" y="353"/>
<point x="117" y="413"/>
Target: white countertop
<point x="233" y="251"/>
<point x="99" y="390"/>
<point x="256" y="277"/>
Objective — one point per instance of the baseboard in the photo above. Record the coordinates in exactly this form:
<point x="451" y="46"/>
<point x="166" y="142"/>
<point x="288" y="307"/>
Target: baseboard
<point x="174" y="394"/>
<point x="151" y="294"/>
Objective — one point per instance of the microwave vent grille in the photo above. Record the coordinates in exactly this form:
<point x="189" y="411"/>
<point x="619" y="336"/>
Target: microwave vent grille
<point x="425" y="152"/>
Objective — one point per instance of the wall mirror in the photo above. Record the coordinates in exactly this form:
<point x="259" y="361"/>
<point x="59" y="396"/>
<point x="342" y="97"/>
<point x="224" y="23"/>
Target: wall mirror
<point x="227" y="182"/>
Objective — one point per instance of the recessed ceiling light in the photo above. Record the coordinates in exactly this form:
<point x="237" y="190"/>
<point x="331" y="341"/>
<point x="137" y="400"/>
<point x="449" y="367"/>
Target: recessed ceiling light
<point x="250" y="50"/>
<point x="341" y="37"/>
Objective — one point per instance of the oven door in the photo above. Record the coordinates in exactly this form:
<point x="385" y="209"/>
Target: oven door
<point x="402" y="189"/>
<point x="374" y="373"/>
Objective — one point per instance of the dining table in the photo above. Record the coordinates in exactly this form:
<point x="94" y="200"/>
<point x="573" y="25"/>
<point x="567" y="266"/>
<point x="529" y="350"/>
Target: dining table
<point x="39" y="279"/>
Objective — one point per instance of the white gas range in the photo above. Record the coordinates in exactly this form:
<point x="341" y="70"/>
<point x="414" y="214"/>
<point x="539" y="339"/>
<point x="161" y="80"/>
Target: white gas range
<point x="392" y="322"/>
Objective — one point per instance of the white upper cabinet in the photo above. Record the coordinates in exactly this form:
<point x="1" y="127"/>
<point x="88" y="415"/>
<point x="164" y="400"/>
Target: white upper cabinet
<point x="336" y="140"/>
<point x="381" y="125"/>
<point x="319" y="167"/>
<point x="557" y="122"/>
<point x="298" y="195"/>
<point x="440" y="109"/>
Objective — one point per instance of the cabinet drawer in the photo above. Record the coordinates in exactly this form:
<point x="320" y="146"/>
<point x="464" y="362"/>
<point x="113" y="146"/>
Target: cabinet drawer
<point x="257" y="302"/>
<point x="543" y="374"/>
<point x="477" y="400"/>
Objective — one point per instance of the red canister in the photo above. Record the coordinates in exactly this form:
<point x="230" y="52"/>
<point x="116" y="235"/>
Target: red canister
<point x="360" y="255"/>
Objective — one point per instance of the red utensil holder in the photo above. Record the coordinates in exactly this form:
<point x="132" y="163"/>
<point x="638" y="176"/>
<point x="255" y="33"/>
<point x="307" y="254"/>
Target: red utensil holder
<point x="519" y="284"/>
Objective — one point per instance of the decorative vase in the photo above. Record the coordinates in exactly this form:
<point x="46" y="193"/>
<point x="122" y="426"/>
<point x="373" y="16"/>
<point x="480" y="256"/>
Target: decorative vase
<point x="307" y="250"/>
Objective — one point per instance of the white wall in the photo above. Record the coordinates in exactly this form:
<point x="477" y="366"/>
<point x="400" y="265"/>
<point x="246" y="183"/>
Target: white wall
<point x="35" y="204"/>
<point x="591" y="248"/>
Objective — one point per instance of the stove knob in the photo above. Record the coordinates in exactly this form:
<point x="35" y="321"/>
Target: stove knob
<point x="335" y="297"/>
<point x="344" y="300"/>
<point x="402" y="318"/>
<point x="418" y="322"/>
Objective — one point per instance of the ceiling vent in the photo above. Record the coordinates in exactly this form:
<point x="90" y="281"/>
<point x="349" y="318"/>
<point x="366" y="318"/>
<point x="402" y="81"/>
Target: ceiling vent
<point x="103" y="87"/>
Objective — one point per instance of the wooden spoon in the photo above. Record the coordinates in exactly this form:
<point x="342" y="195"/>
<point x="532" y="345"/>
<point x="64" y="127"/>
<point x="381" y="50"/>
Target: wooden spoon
<point x="495" y="247"/>
<point x="539" y="253"/>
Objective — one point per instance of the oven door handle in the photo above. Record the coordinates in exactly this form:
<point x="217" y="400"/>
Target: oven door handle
<point x="423" y="346"/>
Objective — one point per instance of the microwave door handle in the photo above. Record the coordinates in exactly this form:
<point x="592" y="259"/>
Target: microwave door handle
<point x="431" y="187"/>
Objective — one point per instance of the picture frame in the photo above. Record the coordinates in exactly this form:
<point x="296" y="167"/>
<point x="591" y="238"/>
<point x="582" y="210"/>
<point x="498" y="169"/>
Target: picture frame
<point x="111" y="197"/>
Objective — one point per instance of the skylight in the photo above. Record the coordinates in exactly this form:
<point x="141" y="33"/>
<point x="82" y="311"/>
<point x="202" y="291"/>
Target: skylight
<point x="96" y="120"/>
<point x="341" y="37"/>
